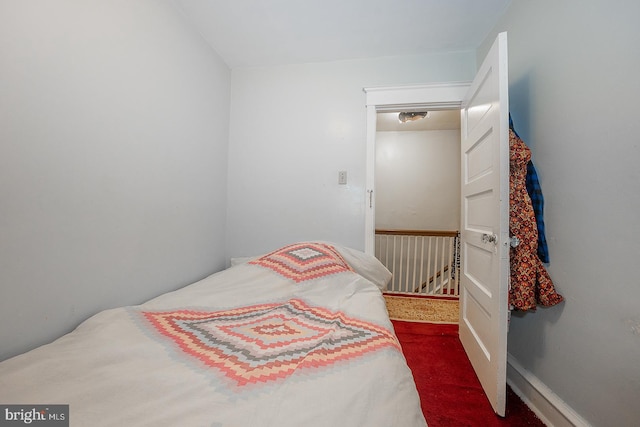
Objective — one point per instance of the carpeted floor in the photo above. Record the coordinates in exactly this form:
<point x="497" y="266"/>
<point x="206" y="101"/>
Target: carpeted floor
<point x="450" y="393"/>
<point x="422" y="308"/>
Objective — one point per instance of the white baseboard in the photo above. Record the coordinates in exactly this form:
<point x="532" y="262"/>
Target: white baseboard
<point x="551" y="410"/>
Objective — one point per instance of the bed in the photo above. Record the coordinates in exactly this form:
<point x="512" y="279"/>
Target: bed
<point x="297" y="337"/>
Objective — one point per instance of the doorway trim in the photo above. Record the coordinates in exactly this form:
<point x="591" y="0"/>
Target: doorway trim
<point x="439" y="96"/>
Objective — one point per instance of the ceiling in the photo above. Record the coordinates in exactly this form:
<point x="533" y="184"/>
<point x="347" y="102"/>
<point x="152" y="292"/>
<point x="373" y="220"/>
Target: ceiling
<point x="249" y="33"/>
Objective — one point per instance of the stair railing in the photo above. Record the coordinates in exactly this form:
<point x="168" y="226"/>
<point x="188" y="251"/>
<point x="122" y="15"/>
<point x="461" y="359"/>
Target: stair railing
<point x="423" y="262"/>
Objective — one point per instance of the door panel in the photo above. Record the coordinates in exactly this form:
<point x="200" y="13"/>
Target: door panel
<point x="479" y="159"/>
<point x="485" y="224"/>
<point x="481" y="101"/>
<point x="478" y="207"/>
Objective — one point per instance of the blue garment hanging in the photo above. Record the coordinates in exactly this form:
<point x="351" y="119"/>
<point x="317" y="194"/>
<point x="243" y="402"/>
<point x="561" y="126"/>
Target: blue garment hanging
<point x="511" y="126"/>
<point x="535" y="193"/>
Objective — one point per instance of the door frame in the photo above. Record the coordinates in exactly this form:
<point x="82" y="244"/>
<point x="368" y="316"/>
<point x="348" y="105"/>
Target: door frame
<point x="439" y="96"/>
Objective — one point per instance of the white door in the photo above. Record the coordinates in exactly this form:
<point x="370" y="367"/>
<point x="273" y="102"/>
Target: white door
<point x="485" y="224"/>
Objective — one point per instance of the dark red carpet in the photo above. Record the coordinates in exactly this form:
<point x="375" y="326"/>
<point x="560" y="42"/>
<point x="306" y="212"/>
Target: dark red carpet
<point x="450" y="392"/>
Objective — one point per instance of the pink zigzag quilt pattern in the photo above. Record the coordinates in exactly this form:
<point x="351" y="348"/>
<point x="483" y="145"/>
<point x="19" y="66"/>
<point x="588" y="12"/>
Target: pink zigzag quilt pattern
<point x="269" y="342"/>
<point x="304" y="261"/>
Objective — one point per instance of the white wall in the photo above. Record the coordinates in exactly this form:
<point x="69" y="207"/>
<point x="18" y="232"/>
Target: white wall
<point x="113" y="160"/>
<point x="574" y="87"/>
<point x="293" y="128"/>
<point x="418" y="180"/>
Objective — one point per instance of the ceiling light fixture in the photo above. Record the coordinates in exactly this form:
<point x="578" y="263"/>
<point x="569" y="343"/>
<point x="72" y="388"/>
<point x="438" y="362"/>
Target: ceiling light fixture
<point x="404" y="117"/>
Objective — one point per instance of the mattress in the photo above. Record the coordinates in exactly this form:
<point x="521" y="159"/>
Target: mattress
<point x="296" y="337"/>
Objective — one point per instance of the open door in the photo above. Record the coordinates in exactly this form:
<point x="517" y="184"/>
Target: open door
<point x="485" y="224"/>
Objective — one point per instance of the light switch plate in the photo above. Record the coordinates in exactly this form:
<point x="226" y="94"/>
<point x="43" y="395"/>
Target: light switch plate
<point x="342" y="177"/>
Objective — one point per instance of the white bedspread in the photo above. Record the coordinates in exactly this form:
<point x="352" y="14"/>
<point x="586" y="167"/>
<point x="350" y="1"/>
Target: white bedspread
<point x="295" y="338"/>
